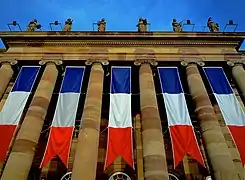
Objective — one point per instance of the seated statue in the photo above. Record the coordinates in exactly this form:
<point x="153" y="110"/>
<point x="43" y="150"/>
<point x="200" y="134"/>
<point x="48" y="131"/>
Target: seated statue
<point x="101" y="25"/>
<point x="213" y="27"/>
<point x="177" y="27"/>
<point x="32" y="26"/>
<point x="68" y="25"/>
<point x="142" y="25"/>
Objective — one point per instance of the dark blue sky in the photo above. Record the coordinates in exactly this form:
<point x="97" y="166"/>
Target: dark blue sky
<point x="122" y="15"/>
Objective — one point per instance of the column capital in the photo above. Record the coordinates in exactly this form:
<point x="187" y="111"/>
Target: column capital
<point x="46" y="61"/>
<point x="152" y="62"/>
<point x="186" y="63"/>
<point x="234" y="63"/>
<point x="104" y="62"/>
<point x="10" y="61"/>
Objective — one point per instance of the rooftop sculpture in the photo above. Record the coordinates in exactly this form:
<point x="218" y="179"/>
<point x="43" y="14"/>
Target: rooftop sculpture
<point x="68" y="25"/>
<point x="142" y="25"/>
<point x="213" y="27"/>
<point x="101" y="25"/>
<point x="33" y="25"/>
<point x="177" y="27"/>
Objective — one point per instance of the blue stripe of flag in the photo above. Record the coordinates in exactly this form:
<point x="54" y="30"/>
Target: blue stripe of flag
<point x="120" y="80"/>
<point x="72" y="81"/>
<point x="218" y="80"/>
<point x="170" y="81"/>
<point x="26" y="78"/>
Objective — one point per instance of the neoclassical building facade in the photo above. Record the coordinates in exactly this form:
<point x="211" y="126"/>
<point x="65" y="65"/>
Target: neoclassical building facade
<point x="144" y="53"/>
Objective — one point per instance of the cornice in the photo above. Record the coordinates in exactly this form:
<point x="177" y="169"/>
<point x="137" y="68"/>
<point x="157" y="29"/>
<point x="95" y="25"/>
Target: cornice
<point x="73" y="38"/>
<point x="111" y="43"/>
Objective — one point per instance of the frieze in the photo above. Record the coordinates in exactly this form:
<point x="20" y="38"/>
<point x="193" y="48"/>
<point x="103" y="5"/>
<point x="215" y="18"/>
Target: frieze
<point x="111" y="43"/>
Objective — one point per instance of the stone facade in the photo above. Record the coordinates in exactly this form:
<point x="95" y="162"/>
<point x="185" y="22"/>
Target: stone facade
<point x="142" y="51"/>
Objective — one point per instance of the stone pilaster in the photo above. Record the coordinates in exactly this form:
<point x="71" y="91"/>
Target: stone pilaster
<point x="6" y="73"/>
<point x="155" y="164"/>
<point x="86" y="156"/>
<point x="238" y="74"/>
<point x="213" y="138"/>
<point x="20" y="160"/>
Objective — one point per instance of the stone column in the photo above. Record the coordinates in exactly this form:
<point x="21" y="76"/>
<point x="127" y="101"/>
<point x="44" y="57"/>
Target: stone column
<point x="6" y="73"/>
<point x="86" y="155"/>
<point x="20" y="160"/>
<point x="213" y="139"/>
<point x="155" y="164"/>
<point x="238" y="73"/>
<point x="139" y="148"/>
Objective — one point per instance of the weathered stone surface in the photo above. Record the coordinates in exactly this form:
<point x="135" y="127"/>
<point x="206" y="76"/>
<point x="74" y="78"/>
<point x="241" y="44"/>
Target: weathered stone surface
<point x="213" y="139"/>
<point x="155" y="164"/>
<point x="22" y="154"/>
<point x="238" y="73"/>
<point x="86" y="155"/>
<point x="6" y="74"/>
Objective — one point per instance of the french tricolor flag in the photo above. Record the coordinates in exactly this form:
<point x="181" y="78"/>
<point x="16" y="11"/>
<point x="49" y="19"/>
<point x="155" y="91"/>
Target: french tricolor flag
<point x="62" y="127"/>
<point x="181" y="130"/>
<point x="120" y="141"/>
<point x="13" y="108"/>
<point x="230" y="107"/>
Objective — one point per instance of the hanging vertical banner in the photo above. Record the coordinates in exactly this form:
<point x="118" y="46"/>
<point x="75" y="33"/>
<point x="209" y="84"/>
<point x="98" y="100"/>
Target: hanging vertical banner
<point x="13" y="108"/>
<point x="230" y="107"/>
<point x="181" y="130"/>
<point x="63" y="123"/>
<point x="120" y="142"/>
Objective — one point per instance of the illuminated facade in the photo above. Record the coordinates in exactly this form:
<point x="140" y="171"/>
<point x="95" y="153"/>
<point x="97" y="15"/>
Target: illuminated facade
<point x="143" y="52"/>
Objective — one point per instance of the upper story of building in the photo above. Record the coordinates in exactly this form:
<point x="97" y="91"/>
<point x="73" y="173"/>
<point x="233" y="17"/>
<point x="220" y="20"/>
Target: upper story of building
<point x="71" y="45"/>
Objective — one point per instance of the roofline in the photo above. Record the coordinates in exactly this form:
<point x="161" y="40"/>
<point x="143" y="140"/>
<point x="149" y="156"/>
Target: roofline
<point x="237" y="37"/>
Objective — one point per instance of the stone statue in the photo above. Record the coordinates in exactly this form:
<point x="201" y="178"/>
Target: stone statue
<point x="32" y="26"/>
<point x="177" y="27"/>
<point x="68" y="25"/>
<point x="213" y="27"/>
<point x="101" y="25"/>
<point x="142" y="25"/>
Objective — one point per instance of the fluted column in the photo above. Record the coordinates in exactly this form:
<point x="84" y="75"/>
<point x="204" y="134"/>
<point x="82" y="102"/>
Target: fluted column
<point x="155" y="164"/>
<point x="214" y="141"/>
<point x="22" y="154"/>
<point x="238" y="73"/>
<point x="6" y="73"/>
<point x="86" y="155"/>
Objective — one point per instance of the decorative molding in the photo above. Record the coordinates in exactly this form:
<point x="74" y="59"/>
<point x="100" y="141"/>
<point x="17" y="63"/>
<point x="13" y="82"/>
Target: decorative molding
<point x="185" y="63"/>
<point x="12" y="62"/>
<point x="45" y="61"/>
<point x="104" y="62"/>
<point x="152" y="62"/>
<point x="88" y="43"/>
<point x="233" y="63"/>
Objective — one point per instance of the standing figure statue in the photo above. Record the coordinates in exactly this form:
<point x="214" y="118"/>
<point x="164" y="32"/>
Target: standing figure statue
<point x="177" y="27"/>
<point x="142" y="25"/>
<point x="213" y="27"/>
<point x="101" y="25"/>
<point x="68" y="25"/>
<point x="32" y="26"/>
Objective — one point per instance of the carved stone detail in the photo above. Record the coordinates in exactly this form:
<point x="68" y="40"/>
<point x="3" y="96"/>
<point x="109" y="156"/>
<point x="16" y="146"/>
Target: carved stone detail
<point x="45" y="61"/>
<point x="12" y="62"/>
<point x="91" y="61"/>
<point x="112" y="43"/>
<point x="185" y="63"/>
<point x="152" y="62"/>
<point x="233" y="63"/>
